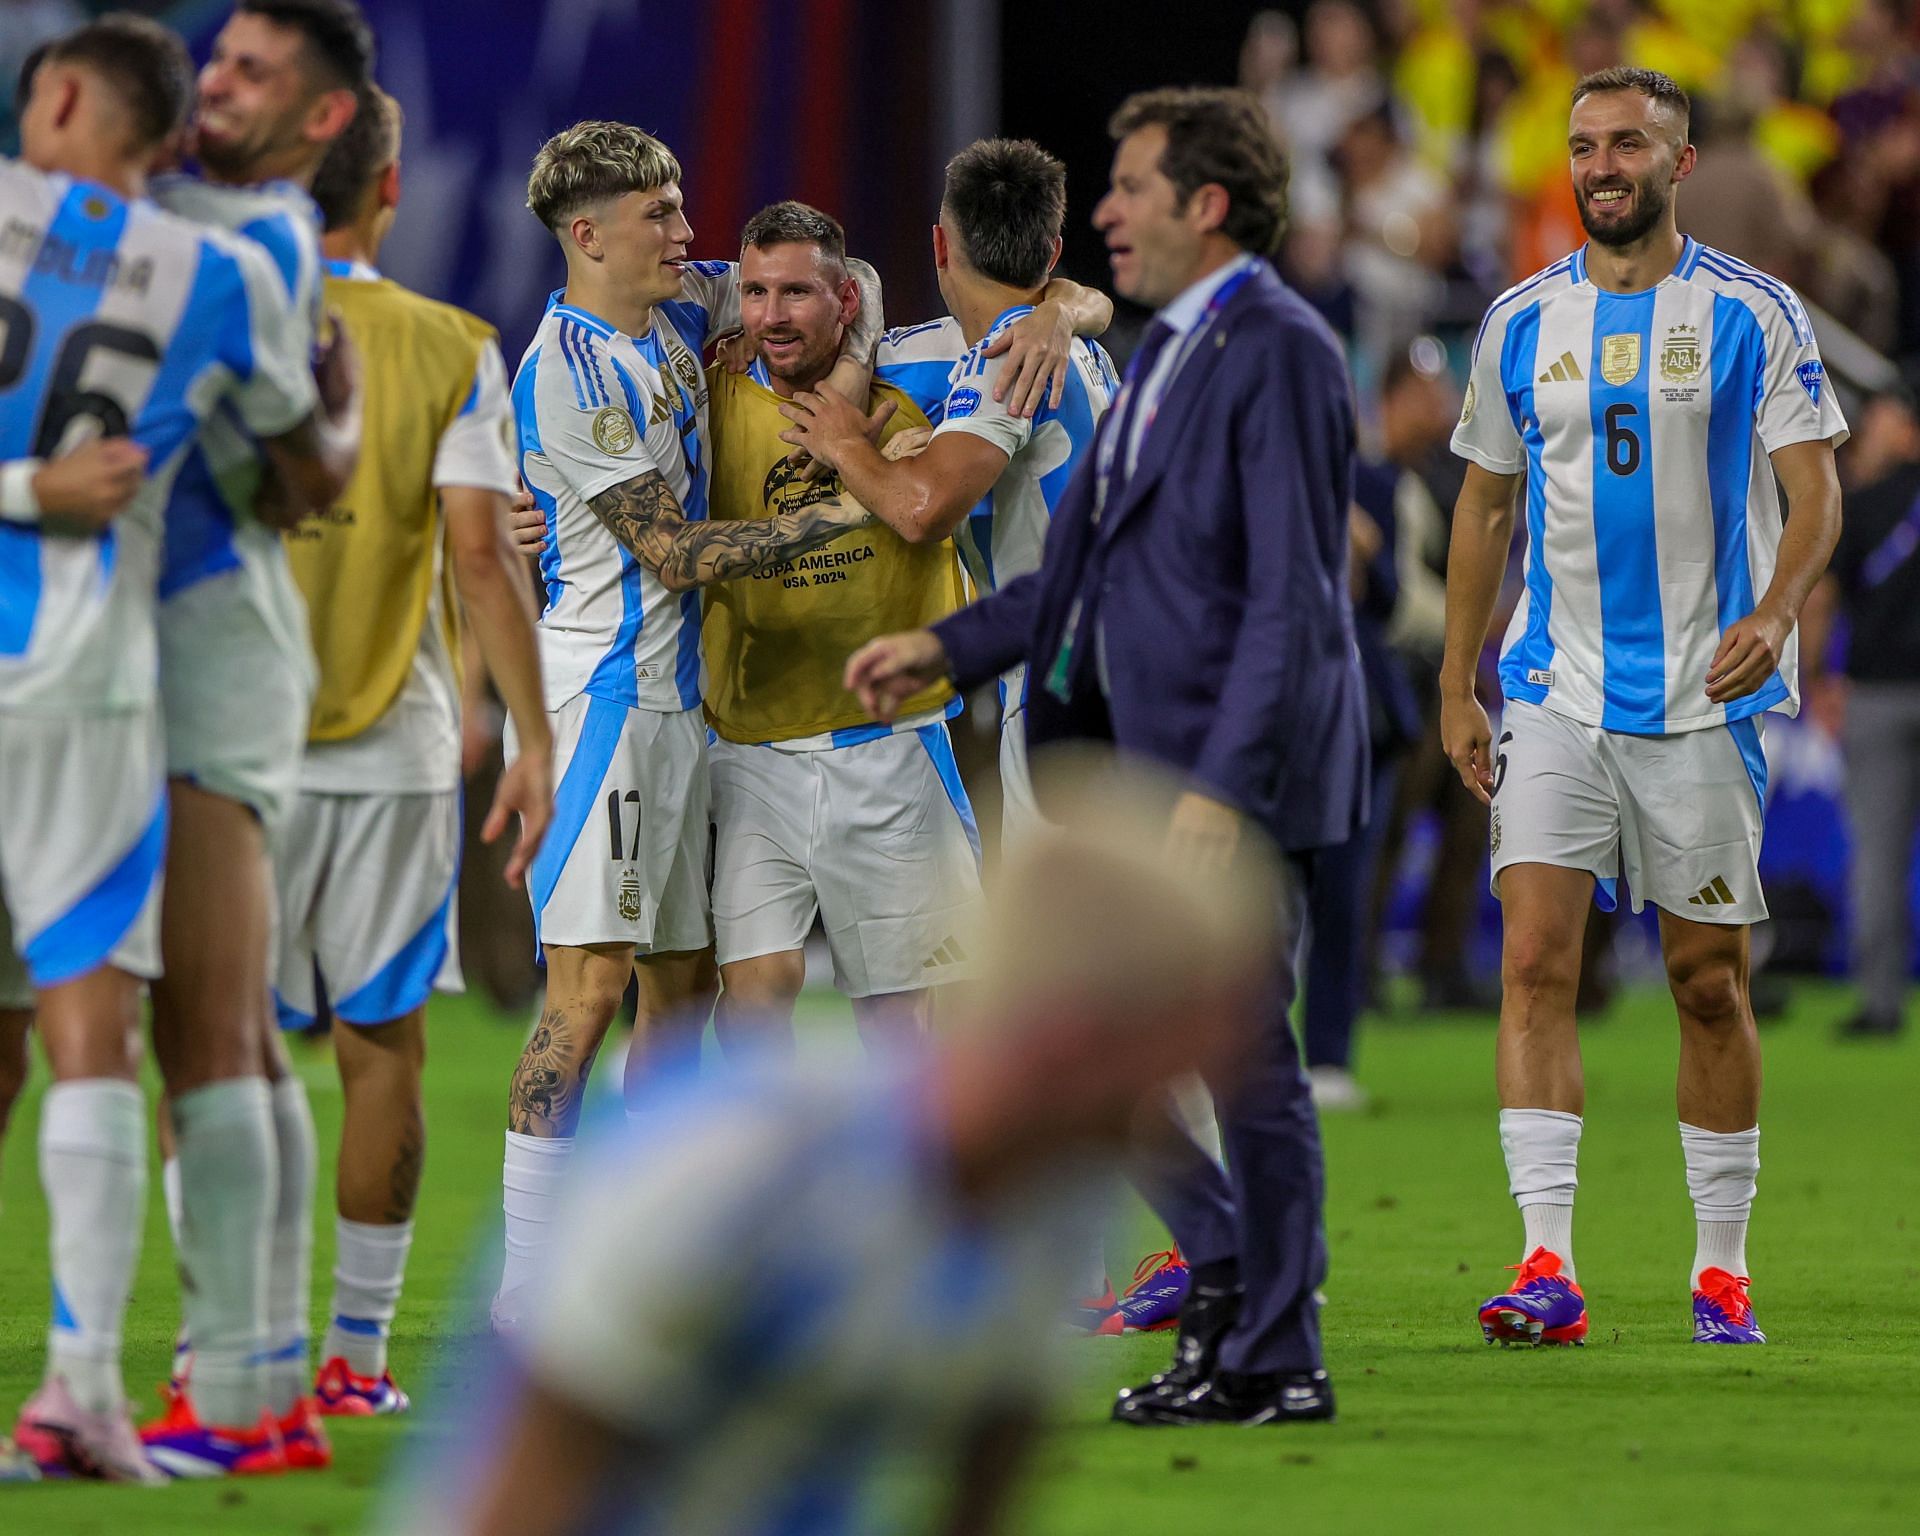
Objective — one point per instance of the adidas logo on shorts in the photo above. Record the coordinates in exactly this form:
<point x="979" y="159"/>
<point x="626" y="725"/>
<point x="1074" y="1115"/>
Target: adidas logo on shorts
<point x="1714" y="894"/>
<point x="950" y="952"/>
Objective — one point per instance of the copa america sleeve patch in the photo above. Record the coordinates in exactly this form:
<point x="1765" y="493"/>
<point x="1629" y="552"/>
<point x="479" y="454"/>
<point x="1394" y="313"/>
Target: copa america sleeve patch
<point x="962" y="402"/>
<point x="1812" y="376"/>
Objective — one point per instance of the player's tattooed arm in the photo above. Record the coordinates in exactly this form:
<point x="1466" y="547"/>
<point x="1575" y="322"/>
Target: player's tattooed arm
<point x="645" y="516"/>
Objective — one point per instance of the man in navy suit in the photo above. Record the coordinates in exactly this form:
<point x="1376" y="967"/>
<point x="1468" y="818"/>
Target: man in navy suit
<point x="1192" y="607"/>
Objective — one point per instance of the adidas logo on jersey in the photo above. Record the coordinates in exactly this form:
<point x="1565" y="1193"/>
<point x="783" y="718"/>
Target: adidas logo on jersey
<point x="950" y="952"/>
<point x="1566" y="371"/>
<point x="1714" y="894"/>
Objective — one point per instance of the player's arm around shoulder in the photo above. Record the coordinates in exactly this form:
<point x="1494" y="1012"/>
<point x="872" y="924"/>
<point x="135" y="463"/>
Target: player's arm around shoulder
<point x="925" y="496"/>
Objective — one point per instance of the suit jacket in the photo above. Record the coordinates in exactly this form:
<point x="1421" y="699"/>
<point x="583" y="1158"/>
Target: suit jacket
<point x="1216" y="579"/>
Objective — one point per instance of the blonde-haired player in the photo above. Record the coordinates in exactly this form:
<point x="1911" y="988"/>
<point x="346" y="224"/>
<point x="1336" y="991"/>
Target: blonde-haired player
<point x="371" y="856"/>
<point x="610" y="405"/>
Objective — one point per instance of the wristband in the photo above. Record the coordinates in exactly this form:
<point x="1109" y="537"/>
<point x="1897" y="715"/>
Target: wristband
<point x="18" y="504"/>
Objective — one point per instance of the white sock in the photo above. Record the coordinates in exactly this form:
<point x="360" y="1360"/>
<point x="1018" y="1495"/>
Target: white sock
<point x="229" y="1184"/>
<point x="369" y="1264"/>
<point x="1723" y="1171"/>
<point x="170" y="1195"/>
<point x="1543" y="1154"/>
<point x="93" y="1166"/>
<point x="290" y="1274"/>
<point x="534" y="1170"/>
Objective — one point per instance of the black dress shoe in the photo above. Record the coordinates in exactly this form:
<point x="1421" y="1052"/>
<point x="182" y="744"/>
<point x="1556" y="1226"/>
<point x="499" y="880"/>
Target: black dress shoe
<point x="1280" y="1397"/>
<point x="1204" y="1321"/>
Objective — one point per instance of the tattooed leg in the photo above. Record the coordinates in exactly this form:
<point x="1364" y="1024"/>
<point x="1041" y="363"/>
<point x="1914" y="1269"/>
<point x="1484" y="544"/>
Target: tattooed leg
<point x="584" y="989"/>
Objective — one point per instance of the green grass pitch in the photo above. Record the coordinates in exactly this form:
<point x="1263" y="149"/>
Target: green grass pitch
<point x="1817" y="1433"/>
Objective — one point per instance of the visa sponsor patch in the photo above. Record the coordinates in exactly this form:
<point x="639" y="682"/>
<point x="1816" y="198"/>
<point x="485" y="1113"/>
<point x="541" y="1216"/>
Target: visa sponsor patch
<point x="1812" y="376"/>
<point x="962" y="403"/>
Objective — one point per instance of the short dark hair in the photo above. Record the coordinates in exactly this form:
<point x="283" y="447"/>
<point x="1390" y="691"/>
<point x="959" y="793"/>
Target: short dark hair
<point x="792" y="223"/>
<point x="1218" y="137"/>
<point x="146" y="64"/>
<point x="1007" y="199"/>
<point x="337" y="36"/>
<point x="355" y="160"/>
<point x="1662" y="89"/>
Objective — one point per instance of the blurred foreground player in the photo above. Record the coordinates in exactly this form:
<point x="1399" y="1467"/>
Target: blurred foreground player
<point x="653" y="1387"/>
<point x="1650" y="389"/>
<point x="236" y="680"/>
<point x="1192" y="607"/>
<point x="371" y="853"/>
<point x="169" y="322"/>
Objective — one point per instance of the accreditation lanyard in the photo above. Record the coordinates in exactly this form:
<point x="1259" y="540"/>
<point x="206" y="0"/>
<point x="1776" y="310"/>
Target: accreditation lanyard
<point x="1114" y="448"/>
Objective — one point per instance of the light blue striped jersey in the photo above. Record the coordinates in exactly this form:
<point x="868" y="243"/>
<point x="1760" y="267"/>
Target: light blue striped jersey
<point x="1643" y="422"/>
<point x="918" y="360"/>
<point x="595" y="408"/>
<point x="117" y="317"/>
<point x="1005" y="535"/>
<point x="210" y="528"/>
<point x="831" y="1317"/>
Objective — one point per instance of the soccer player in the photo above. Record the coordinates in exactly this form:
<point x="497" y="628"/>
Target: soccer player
<point x="991" y="476"/>
<point x="610" y="405"/>
<point x="737" y="1339"/>
<point x="369" y="863"/>
<point x="166" y="322"/>
<point x="236" y="679"/>
<point x="1649" y="389"/>
<point x="820" y="810"/>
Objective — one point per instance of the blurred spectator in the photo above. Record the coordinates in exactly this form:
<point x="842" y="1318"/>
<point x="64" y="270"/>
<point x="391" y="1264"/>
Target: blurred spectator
<point x="1797" y="137"/>
<point x="1341" y="898"/>
<point x="1312" y="104"/>
<point x="1400" y="234"/>
<point x="1738" y="200"/>
<point x="1846" y="273"/>
<point x="1874" y="704"/>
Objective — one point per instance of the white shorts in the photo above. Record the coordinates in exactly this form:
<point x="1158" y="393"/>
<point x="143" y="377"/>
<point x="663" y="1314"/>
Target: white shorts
<point x="368" y="915"/>
<point x="236" y="690"/>
<point x="83" y="835"/>
<point x="1019" y="810"/>
<point x="625" y="859"/>
<point x="877" y="838"/>
<point x="1680" y="816"/>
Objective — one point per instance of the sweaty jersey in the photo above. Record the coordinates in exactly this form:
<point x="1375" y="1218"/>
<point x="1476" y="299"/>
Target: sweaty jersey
<point x="777" y="643"/>
<point x="116" y="318"/>
<point x="594" y="408"/>
<point x="1004" y="536"/>
<point x="210" y="526"/>
<point x="373" y="572"/>
<point x="1643" y="422"/>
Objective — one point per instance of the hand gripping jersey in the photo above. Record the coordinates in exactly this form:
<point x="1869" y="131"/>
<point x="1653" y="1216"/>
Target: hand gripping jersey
<point x="777" y="643"/>
<point x="1003" y="536"/>
<point x="1643" y="422"/>
<point x="210" y="526"/>
<point x="594" y="408"/>
<point x="116" y="317"/>
<point x="378" y="591"/>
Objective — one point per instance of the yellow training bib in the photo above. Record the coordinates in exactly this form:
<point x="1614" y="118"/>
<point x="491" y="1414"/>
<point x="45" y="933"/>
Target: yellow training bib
<point x="777" y="644"/>
<point x="366" y="569"/>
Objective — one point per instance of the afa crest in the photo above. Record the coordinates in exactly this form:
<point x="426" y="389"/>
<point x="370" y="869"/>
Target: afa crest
<point x="1466" y="406"/>
<point x="1680" y="355"/>
<point x="630" y="897"/>
<point x="1620" y="358"/>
